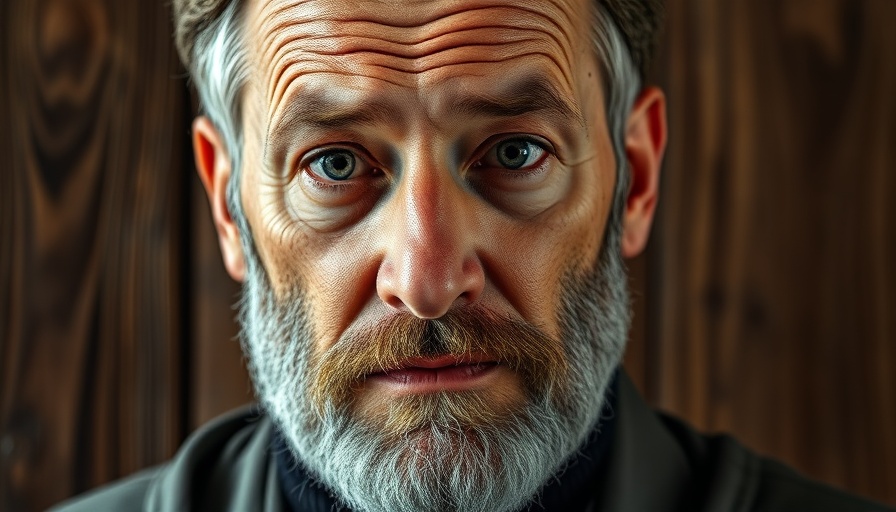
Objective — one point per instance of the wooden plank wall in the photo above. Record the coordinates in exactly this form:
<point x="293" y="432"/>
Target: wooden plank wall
<point x="92" y="138"/>
<point x="764" y="305"/>
<point x="771" y="286"/>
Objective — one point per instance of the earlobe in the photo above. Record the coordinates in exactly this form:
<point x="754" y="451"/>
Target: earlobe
<point x="214" y="168"/>
<point x="645" y="143"/>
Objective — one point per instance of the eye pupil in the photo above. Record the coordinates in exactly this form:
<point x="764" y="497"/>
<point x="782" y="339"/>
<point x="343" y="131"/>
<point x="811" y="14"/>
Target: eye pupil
<point x="339" y="165"/>
<point x="513" y="153"/>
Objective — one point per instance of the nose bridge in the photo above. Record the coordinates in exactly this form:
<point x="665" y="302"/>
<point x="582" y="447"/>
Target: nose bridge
<point x="429" y="201"/>
<point x="430" y="261"/>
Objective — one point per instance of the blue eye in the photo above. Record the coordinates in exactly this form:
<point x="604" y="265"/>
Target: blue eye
<point x="515" y="154"/>
<point x="338" y="165"/>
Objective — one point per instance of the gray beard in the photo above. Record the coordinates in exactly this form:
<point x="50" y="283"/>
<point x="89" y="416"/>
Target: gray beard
<point x="497" y="467"/>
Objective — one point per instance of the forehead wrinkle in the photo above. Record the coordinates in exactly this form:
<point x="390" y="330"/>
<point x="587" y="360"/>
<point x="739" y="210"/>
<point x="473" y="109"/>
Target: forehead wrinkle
<point x="412" y="68"/>
<point x="289" y="76"/>
<point x="286" y="60"/>
<point x="498" y="60"/>
<point x="272" y="9"/>
<point x="295" y="63"/>
<point x="332" y="20"/>
<point x="271" y="22"/>
<point x="279" y="35"/>
<point x="376" y="14"/>
<point x="482" y="36"/>
<point x="290" y="70"/>
<point x="345" y="45"/>
<point x="355" y="36"/>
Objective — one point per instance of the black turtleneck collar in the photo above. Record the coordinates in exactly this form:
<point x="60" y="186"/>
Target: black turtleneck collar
<point x="572" y="490"/>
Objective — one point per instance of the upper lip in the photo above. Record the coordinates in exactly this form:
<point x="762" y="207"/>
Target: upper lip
<point x="443" y="361"/>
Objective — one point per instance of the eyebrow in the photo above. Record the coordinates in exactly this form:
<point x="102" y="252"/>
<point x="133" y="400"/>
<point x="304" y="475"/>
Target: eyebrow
<point x="315" y="110"/>
<point x="530" y="94"/>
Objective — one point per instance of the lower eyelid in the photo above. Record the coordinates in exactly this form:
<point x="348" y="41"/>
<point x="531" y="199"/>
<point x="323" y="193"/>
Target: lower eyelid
<point x="312" y="180"/>
<point x="533" y="170"/>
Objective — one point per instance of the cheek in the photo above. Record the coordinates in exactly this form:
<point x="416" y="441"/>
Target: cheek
<point x="341" y="276"/>
<point x="335" y="274"/>
<point x="527" y="261"/>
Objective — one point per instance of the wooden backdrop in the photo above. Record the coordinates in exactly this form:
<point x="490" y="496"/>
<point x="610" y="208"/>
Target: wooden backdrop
<point x="764" y="303"/>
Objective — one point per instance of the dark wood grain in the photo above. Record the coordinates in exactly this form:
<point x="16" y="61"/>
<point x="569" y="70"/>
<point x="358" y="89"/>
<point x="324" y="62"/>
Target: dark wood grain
<point x="776" y="230"/>
<point x="93" y="195"/>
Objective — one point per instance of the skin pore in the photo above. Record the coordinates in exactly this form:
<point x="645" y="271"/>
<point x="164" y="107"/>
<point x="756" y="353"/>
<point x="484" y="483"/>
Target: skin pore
<point x="413" y="159"/>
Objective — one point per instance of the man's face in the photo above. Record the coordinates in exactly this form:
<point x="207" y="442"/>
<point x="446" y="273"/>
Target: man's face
<point x="407" y="158"/>
<point x="410" y="161"/>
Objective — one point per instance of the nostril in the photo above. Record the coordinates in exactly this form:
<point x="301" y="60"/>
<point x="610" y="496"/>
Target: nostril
<point x="394" y="302"/>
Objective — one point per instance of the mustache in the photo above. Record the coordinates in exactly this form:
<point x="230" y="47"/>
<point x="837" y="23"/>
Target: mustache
<point x="469" y="333"/>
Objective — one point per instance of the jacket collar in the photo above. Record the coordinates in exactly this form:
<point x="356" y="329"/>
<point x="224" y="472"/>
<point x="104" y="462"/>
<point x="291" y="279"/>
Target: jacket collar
<point x="647" y="469"/>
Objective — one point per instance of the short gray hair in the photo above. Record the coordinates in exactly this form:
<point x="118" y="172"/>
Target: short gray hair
<point x="219" y="70"/>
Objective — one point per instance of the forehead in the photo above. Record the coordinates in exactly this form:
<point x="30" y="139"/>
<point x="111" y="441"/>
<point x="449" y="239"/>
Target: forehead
<point x="418" y="46"/>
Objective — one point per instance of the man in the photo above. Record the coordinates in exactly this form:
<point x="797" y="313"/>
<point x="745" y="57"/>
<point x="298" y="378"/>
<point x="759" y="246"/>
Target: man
<point x="428" y="203"/>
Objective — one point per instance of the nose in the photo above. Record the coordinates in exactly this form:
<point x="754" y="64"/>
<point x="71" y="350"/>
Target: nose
<point x="430" y="262"/>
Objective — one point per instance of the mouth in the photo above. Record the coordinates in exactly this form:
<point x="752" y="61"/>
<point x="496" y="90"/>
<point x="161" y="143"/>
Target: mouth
<point x="434" y="374"/>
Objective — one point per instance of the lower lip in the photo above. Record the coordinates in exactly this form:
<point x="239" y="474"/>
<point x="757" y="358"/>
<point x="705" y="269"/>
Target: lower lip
<point x="431" y="380"/>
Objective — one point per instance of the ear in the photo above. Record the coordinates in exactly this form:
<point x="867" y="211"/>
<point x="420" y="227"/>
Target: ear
<point x="213" y="166"/>
<point x="645" y="142"/>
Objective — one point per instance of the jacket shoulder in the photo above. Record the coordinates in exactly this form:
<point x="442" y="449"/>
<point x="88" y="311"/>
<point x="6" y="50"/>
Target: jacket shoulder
<point x="219" y="467"/>
<point x="782" y="489"/>
<point x="124" y="495"/>
<point x="728" y="476"/>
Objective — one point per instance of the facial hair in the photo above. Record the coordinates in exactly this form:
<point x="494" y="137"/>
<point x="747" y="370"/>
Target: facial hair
<point x="447" y="451"/>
